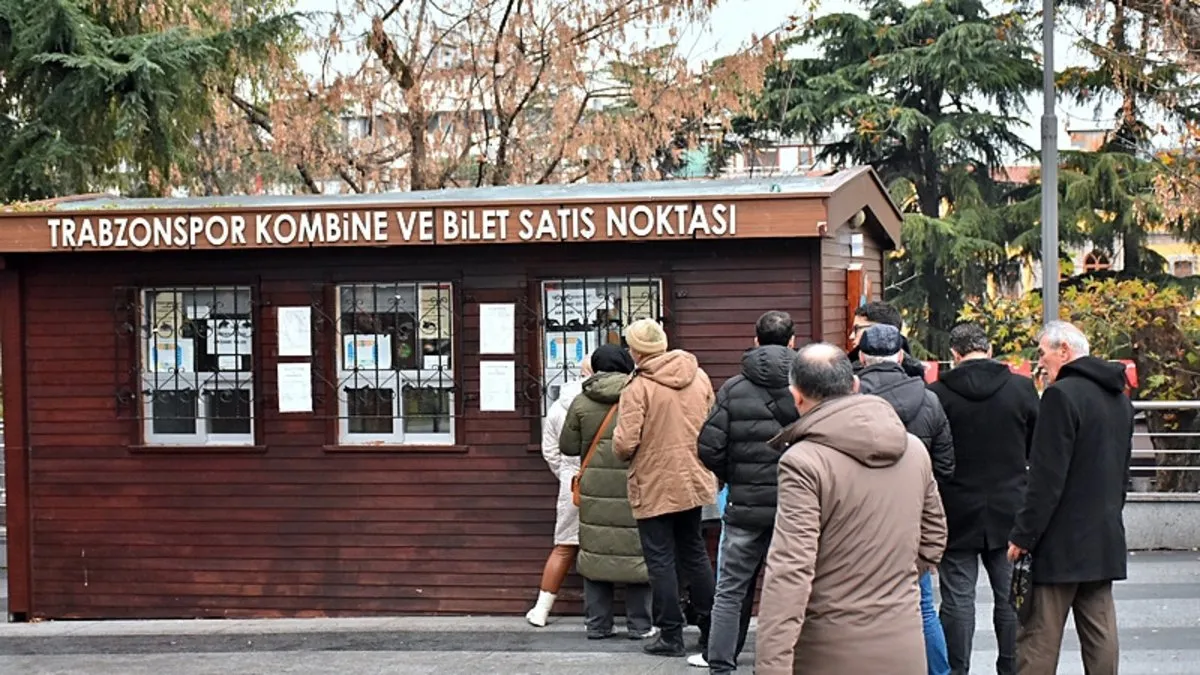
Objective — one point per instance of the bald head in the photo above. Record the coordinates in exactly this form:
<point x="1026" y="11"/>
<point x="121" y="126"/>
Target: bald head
<point x="821" y="372"/>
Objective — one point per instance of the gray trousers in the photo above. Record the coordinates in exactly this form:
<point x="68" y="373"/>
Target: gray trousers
<point x="598" y="606"/>
<point x="957" y="575"/>
<point x="743" y="552"/>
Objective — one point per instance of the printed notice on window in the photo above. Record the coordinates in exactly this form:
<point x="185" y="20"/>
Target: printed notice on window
<point x="295" y="387"/>
<point x="497" y="329"/>
<point x="497" y="386"/>
<point x="295" y="331"/>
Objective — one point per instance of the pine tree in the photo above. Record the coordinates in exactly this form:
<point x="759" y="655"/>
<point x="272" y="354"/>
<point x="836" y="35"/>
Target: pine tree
<point x="95" y="96"/>
<point x="929" y="95"/>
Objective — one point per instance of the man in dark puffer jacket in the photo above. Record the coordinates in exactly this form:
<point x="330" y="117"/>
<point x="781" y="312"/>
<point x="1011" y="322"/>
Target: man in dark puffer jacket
<point x="881" y="351"/>
<point x="751" y="409"/>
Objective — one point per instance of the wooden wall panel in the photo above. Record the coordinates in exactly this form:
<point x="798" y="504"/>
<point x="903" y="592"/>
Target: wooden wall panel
<point x="293" y="528"/>
<point x="835" y="260"/>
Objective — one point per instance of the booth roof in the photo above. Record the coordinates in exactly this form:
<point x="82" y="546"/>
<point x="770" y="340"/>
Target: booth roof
<point x="807" y="186"/>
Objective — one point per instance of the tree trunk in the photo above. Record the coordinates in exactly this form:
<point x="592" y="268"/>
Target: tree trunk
<point x="417" y="121"/>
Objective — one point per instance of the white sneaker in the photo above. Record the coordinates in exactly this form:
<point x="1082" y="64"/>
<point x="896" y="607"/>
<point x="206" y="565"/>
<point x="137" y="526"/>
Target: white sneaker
<point x="697" y="661"/>
<point x="653" y="632"/>
<point x="541" y="611"/>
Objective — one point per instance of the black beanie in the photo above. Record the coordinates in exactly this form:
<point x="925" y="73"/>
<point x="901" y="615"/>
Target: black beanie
<point x="611" y="359"/>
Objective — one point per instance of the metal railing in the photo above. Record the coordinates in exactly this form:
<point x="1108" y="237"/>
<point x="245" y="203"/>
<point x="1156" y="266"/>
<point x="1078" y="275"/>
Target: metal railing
<point x="1166" y="461"/>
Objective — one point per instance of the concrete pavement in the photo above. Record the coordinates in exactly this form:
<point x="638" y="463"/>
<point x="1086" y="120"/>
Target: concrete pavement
<point x="1158" y="611"/>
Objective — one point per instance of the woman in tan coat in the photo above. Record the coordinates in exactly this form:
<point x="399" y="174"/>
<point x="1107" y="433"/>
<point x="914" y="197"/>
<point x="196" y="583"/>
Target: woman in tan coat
<point x="661" y="413"/>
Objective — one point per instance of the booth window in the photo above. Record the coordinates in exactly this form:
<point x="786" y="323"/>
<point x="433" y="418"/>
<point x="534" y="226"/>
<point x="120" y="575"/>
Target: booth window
<point x="579" y="315"/>
<point x="197" y="366"/>
<point x="395" y="364"/>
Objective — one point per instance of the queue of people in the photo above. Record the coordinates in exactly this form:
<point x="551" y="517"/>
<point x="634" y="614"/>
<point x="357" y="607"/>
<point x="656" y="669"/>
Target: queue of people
<point x="850" y="485"/>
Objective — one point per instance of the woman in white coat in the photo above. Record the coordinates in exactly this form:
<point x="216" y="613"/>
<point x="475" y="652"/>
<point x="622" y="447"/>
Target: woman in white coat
<point x="566" y="524"/>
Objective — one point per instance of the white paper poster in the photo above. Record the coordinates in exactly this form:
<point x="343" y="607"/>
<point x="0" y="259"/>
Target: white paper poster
<point x="366" y="352"/>
<point x="230" y="336"/>
<point x="295" y="387"/>
<point x="295" y="331"/>
<point x="497" y="386"/>
<point x="497" y="329"/>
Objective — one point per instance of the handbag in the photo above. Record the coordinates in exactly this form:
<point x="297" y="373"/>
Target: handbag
<point x="1021" y="592"/>
<point x="575" y="495"/>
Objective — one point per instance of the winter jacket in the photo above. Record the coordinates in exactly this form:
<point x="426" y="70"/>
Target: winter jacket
<point x="566" y="523"/>
<point x="609" y="547"/>
<point x="661" y="413"/>
<point x="859" y="517"/>
<point x="752" y="408"/>
<point x="917" y="407"/>
<point x="1071" y="518"/>
<point x="992" y="414"/>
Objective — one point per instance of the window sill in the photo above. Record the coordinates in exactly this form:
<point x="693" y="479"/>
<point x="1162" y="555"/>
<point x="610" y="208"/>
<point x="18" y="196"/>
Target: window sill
<point x="197" y="449"/>
<point x="400" y="449"/>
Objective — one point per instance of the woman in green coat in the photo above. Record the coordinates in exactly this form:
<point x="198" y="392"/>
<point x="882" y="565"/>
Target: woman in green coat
<point x="610" y="550"/>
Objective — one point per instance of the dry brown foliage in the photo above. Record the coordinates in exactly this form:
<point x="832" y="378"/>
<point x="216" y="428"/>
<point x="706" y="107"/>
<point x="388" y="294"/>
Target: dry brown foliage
<point x="472" y="92"/>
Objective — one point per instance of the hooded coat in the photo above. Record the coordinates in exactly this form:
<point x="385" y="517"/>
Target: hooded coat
<point x="566" y="522"/>
<point x="752" y="408"/>
<point x="992" y="414"/>
<point x="1071" y="518"/>
<point x="609" y="546"/>
<point x="662" y="411"/>
<point x="918" y="408"/>
<point x="859" y="517"/>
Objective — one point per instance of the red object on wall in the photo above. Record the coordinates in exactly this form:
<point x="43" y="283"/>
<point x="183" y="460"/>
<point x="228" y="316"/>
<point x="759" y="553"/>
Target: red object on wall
<point x="1023" y="368"/>
<point x="1131" y="374"/>
<point x="932" y="368"/>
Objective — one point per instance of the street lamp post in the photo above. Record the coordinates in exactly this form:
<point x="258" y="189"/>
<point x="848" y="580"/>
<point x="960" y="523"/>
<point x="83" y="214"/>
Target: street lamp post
<point x="1049" y="171"/>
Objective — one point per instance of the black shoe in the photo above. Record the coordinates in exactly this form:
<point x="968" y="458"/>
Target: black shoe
<point x="665" y="647"/>
<point x="705" y="624"/>
<point x="601" y="635"/>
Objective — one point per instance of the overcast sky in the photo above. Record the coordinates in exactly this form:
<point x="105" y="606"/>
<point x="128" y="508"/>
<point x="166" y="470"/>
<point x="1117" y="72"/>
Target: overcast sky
<point x="733" y="22"/>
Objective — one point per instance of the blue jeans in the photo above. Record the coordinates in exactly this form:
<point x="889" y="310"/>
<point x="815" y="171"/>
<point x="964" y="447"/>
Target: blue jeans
<point x="935" y="639"/>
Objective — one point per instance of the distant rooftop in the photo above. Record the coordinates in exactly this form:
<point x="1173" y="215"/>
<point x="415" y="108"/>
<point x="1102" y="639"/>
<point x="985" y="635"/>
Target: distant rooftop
<point x="813" y="186"/>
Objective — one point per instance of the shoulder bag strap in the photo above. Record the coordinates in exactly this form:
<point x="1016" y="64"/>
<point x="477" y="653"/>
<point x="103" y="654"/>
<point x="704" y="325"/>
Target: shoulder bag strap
<point x="596" y="440"/>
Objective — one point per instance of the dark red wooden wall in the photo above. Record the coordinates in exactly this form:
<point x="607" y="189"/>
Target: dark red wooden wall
<point x="294" y="528"/>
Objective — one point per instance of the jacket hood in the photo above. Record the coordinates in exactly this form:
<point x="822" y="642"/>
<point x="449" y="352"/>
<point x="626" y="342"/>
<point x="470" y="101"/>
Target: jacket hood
<point x="890" y="381"/>
<point x="567" y="393"/>
<point x="861" y="427"/>
<point x="675" y="369"/>
<point x="768" y="366"/>
<point x="976" y="379"/>
<point x="605" y="387"/>
<point x="1110" y="376"/>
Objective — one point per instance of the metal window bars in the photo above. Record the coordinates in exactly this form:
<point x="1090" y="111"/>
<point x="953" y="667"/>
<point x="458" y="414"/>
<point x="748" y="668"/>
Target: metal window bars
<point x="579" y="315"/>
<point x="196" y="364"/>
<point x="395" y="351"/>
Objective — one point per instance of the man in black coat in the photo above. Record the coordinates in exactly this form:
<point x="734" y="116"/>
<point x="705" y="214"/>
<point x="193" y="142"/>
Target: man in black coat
<point x="881" y="351"/>
<point x="751" y="409"/>
<point x="1071" y="519"/>
<point x="992" y="414"/>
<point x="877" y="312"/>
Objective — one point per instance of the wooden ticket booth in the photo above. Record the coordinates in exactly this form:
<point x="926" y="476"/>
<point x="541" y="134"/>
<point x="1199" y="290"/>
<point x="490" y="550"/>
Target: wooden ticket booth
<point x="331" y="405"/>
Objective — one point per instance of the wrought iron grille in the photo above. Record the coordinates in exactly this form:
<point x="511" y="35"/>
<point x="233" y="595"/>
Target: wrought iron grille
<point x="579" y="315"/>
<point x="394" y="364"/>
<point x="196" y="365"/>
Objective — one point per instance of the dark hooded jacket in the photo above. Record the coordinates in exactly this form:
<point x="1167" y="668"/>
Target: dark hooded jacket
<point x="1071" y="518"/>
<point x="917" y="407"/>
<point x="752" y="408"/>
<point x="992" y="413"/>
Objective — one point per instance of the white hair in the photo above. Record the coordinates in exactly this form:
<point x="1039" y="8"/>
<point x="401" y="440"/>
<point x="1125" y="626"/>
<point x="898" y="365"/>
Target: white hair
<point x="1059" y="333"/>
<point x="876" y="360"/>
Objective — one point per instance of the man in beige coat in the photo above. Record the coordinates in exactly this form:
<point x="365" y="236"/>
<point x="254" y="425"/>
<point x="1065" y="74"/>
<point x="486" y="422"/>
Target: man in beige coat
<point x="859" y="517"/>
<point x="661" y="413"/>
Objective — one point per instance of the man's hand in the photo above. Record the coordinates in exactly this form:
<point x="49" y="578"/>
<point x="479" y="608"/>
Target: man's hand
<point x="1015" y="552"/>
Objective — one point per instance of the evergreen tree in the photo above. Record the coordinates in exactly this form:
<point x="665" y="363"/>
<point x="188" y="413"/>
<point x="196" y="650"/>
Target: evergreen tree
<point x="94" y="95"/>
<point x="929" y="94"/>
